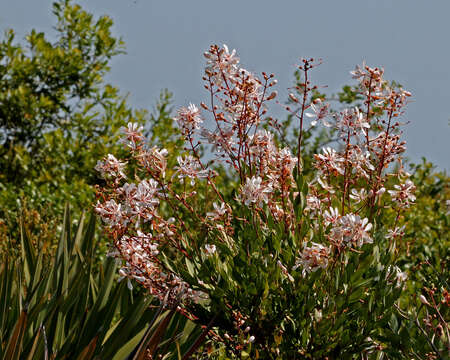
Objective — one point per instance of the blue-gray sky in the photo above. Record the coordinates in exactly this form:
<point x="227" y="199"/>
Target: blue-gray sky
<point x="166" y="38"/>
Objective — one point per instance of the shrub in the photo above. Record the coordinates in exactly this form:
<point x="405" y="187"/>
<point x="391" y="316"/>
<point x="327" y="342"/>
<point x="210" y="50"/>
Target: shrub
<point x="277" y="262"/>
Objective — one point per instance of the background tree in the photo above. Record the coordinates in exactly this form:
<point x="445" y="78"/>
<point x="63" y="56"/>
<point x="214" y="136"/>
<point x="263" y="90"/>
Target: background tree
<point x="58" y="115"/>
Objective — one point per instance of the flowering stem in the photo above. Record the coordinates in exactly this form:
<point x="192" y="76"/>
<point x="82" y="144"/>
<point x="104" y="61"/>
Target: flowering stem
<point x="369" y="101"/>
<point x="300" y="135"/>
<point x="347" y="148"/>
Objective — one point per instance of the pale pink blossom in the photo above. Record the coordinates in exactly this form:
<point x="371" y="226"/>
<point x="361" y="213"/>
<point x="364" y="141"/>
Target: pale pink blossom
<point x="312" y="258"/>
<point x="154" y="159"/>
<point x="189" y="167"/>
<point x="112" y="213"/>
<point x="313" y="203"/>
<point x="132" y="135"/>
<point x="210" y="249"/>
<point x="351" y="230"/>
<point x="111" y="167"/>
<point x="397" y="274"/>
<point x="358" y="196"/>
<point x="320" y="113"/>
<point x="325" y="185"/>
<point x="255" y="192"/>
<point x="189" y="119"/>
<point x="395" y="233"/>
<point x="222" y="140"/>
<point x="330" y="160"/>
<point x="221" y="63"/>
<point x="351" y="121"/>
<point x="403" y="193"/>
<point x="218" y="212"/>
<point x="330" y="216"/>
<point x="359" y="71"/>
<point x="360" y="162"/>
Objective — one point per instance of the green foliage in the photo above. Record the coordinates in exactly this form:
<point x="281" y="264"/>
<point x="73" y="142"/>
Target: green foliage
<point x="334" y="314"/>
<point x="424" y="253"/>
<point x="58" y="116"/>
<point x="61" y="305"/>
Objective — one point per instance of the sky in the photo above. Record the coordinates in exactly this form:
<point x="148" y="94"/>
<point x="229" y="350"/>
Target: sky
<point x="165" y="40"/>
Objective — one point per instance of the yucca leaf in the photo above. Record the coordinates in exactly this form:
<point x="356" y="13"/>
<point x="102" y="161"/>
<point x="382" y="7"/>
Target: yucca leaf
<point x="28" y="254"/>
<point x="128" y="347"/>
<point x="129" y="325"/>
<point x="89" y="350"/>
<point x="153" y="338"/>
<point x="31" y="353"/>
<point x="13" y="349"/>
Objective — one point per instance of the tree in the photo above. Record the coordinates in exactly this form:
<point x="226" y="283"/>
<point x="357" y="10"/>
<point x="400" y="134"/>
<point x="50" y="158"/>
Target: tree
<point x="58" y="114"/>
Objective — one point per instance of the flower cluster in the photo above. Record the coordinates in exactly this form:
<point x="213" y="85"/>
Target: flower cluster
<point x="312" y="258"/>
<point x="174" y="227"/>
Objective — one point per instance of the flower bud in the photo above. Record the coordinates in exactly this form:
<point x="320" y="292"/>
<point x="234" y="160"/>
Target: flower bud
<point x="293" y="98"/>
<point x="272" y="96"/>
<point x="423" y="300"/>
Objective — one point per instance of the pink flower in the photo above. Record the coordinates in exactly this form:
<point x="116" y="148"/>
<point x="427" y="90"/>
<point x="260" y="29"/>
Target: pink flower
<point x="330" y="160"/>
<point x="132" y="135"/>
<point x="397" y="232"/>
<point x="112" y="213"/>
<point x="190" y="167"/>
<point x="404" y="193"/>
<point x="154" y="159"/>
<point x="111" y="167"/>
<point x="219" y="211"/>
<point x="351" y="230"/>
<point x="312" y="258"/>
<point x="189" y="119"/>
<point x="313" y="203"/>
<point x="210" y="249"/>
<point x="351" y="120"/>
<point x="358" y="196"/>
<point x="221" y="63"/>
<point x="255" y="192"/>
<point x="331" y="216"/>
<point x="320" y="112"/>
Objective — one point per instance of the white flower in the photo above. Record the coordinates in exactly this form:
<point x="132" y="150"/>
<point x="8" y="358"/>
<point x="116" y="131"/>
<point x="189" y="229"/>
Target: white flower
<point x="395" y="233"/>
<point x="219" y="211"/>
<point x="189" y="119"/>
<point x="320" y="113"/>
<point x="255" y="192"/>
<point x="325" y="185"/>
<point x="403" y="195"/>
<point x="358" y="196"/>
<point x="112" y="213"/>
<point x="110" y="166"/>
<point x="313" y="258"/>
<point x="190" y="167"/>
<point x="400" y="276"/>
<point x="331" y="159"/>
<point x="359" y="71"/>
<point x="132" y="135"/>
<point x="221" y="63"/>
<point x="313" y="203"/>
<point x="331" y="216"/>
<point x="352" y="230"/>
<point x="154" y="159"/>
<point x="210" y="249"/>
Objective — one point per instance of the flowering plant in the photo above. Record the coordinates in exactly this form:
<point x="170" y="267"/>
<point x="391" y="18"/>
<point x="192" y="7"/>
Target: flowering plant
<point x="272" y="260"/>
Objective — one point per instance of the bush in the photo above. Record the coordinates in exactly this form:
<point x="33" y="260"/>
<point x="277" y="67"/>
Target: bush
<point x="61" y="304"/>
<point x="294" y="257"/>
